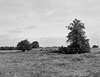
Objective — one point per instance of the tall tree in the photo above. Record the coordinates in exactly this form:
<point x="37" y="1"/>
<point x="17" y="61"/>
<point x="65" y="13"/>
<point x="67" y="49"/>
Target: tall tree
<point x="76" y="37"/>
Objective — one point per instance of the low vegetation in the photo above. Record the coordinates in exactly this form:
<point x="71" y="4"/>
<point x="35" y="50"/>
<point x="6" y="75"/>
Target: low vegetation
<point x="7" y="48"/>
<point x="95" y="46"/>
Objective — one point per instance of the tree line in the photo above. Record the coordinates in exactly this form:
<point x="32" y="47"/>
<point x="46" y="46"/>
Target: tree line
<point x="22" y="45"/>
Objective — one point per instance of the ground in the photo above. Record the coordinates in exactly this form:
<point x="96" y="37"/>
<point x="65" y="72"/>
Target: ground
<point x="40" y="63"/>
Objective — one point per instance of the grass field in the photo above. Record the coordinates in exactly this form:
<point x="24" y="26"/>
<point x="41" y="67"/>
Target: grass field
<point x="41" y="63"/>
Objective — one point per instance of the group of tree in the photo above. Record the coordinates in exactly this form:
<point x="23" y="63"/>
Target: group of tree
<point x="77" y="42"/>
<point x="26" y="45"/>
<point x="22" y="45"/>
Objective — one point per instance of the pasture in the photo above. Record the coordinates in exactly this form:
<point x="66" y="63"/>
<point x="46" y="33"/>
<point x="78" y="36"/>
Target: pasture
<point x="42" y="63"/>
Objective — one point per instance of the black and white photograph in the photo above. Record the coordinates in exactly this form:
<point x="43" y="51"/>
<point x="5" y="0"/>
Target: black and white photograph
<point x="49" y="38"/>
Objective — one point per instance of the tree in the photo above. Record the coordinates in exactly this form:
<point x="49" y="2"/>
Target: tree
<point x="76" y="38"/>
<point x="35" y="44"/>
<point x="24" y="45"/>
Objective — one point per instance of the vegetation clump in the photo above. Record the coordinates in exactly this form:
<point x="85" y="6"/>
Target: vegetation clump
<point x="7" y="48"/>
<point x="95" y="46"/>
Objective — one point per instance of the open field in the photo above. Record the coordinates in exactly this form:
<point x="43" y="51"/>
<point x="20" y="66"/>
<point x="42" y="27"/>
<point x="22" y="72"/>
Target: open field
<point x="40" y="63"/>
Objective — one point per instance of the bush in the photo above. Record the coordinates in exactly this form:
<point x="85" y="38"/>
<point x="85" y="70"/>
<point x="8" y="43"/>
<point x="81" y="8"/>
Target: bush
<point x="95" y="46"/>
<point x="24" y="45"/>
<point x="72" y="49"/>
<point x="67" y="50"/>
<point x="62" y="49"/>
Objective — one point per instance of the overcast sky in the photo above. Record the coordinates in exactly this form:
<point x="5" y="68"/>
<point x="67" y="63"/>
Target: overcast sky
<point x="46" y="20"/>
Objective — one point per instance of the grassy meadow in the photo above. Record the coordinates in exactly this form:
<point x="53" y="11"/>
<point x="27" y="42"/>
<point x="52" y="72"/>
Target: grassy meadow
<point x="42" y="63"/>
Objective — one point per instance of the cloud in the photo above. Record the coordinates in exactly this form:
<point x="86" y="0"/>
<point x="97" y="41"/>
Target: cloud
<point x="4" y="36"/>
<point x="15" y="31"/>
<point x="52" y="41"/>
<point x="21" y="19"/>
<point x="31" y="27"/>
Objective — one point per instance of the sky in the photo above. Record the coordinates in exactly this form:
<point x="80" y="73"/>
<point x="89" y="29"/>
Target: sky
<point x="45" y="21"/>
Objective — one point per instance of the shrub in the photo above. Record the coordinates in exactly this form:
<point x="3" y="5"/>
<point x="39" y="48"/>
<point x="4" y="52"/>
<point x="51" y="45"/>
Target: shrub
<point x="62" y="49"/>
<point x="95" y="46"/>
<point x="71" y="50"/>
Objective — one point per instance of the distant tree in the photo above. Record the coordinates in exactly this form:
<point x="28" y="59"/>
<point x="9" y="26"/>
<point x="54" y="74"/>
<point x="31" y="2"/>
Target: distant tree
<point x="11" y="48"/>
<point x="95" y="46"/>
<point x="35" y="44"/>
<point x="76" y="38"/>
<point x="7" y="48"/>
<point x="24" y="45"/>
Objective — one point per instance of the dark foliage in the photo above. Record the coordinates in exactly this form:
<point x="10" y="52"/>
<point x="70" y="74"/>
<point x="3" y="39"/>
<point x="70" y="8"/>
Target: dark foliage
<point x="62" y="49"/>
<point x="76" y="39"/>
<point x="95" y="46"/>
<point x="7" y="48"/>
<point x="35" y="44"/>
<point x="24" y="45"/>
<point x="68" y="50"/>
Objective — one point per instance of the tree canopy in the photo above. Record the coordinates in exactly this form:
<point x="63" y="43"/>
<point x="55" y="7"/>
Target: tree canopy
<point x="23" y="45"/>
<point x="76" y="37"/>
<point x="35" y="44"/>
